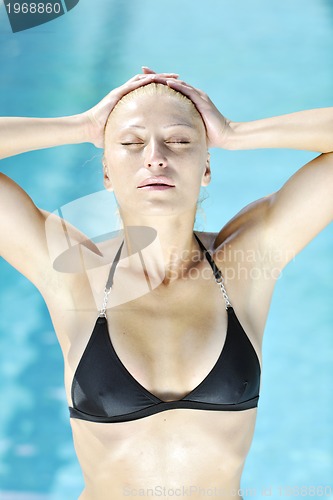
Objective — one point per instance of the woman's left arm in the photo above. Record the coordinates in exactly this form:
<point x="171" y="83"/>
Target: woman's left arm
<point x="303" y="206"/>
<point x="310" y="130"/>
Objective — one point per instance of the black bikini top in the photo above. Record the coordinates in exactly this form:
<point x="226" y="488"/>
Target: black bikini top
<point x="103" y="390"/>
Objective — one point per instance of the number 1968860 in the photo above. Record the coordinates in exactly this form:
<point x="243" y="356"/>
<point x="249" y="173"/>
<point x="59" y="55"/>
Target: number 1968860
<point x="34" y="8"/>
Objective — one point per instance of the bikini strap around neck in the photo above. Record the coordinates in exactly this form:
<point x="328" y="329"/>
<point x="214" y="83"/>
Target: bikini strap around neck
<point x="109" y="282"/>
<point x="217" y="272"/>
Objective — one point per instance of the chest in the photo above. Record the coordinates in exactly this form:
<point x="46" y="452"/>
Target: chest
<point x="170" y="338"/>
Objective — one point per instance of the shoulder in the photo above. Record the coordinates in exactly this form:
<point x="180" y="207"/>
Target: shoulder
<point x="239" y="252"/>
<point x="72" y="253"/>
<point x="244" y="228"/>
<point x="246" y="225"/>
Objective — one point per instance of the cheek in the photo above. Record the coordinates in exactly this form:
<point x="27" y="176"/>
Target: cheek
<point x="199" y="160"/>
<point x="121" y="174"/>
<point x="122" y="156"/>
<point x="116" y="161"/>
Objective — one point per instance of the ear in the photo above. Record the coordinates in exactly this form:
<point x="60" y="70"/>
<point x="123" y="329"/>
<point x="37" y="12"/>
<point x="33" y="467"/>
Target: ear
<point x="106" y="178"/>
<point x="206" y="178"/>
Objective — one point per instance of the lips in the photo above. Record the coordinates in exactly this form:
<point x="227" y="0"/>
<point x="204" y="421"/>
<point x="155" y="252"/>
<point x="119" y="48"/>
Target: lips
<point x="156" y="181"/>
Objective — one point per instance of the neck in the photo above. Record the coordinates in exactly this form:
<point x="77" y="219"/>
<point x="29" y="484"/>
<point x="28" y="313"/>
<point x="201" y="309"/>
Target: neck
<point x="168" y="245"/>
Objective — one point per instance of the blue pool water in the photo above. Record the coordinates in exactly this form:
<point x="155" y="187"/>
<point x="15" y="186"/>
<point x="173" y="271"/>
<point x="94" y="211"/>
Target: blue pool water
<point x="255" y="59"/>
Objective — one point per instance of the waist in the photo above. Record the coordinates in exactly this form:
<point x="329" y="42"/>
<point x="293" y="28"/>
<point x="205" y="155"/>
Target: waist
<point x="178" y="447"/>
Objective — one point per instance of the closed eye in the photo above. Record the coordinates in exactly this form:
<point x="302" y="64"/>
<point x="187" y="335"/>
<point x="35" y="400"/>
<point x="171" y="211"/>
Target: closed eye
<point x="141" y="143"/>
<point x="131" y="143"/>
<point x="178" y="142"/>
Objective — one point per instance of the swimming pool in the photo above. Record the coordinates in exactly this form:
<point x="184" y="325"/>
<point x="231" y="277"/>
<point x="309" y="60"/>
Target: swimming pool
<point x="254" y="59"/>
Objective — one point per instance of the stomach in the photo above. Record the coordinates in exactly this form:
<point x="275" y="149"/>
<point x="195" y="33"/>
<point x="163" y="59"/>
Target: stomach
<point x="176" y="453"/>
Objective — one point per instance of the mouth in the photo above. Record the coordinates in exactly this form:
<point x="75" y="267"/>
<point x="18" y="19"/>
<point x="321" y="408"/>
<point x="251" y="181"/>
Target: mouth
<point x="158" y="183"/>
<point x="156" y="187"/>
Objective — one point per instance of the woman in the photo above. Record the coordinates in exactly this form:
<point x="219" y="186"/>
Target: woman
<point x="168" y="407"/>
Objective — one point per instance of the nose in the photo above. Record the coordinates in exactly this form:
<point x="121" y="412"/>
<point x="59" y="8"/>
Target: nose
<point x="154" y="156"/>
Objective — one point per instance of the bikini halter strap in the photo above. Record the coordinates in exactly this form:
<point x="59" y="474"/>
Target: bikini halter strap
<point x="216" y="271"/>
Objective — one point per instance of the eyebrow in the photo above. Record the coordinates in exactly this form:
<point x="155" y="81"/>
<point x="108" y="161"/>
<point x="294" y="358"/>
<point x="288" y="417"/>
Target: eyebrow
<point x="167" y="126"/>
<point x="179" y="125"/>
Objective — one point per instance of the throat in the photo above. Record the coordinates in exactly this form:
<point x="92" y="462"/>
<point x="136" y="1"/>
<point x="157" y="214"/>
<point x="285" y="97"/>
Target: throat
<point x="180" y="270"/>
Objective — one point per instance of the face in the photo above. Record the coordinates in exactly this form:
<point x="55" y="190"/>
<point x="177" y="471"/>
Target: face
<point x="156" y="156"/>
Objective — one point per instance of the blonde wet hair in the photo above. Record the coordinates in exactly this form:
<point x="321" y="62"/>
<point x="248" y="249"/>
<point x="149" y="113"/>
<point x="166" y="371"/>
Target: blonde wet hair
<point x="154" y="89"/>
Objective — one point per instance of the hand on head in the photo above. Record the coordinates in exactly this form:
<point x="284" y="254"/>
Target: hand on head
<point x="96" y="117"/>
<point x="217" y="126"/>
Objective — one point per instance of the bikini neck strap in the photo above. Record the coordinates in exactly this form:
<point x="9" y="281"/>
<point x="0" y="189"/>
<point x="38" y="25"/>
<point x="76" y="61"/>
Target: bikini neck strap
<point x="216" y="271"/>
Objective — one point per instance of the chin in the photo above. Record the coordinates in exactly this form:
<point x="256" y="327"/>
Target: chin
<point x="157" y="208"/>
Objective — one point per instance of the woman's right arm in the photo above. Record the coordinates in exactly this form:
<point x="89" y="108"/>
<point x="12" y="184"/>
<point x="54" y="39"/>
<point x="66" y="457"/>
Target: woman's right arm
<point x="19" y="135"/>
<point x="23" y="240"/>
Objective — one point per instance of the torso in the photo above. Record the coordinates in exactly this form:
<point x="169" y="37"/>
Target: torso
<point x="179" y="448"/>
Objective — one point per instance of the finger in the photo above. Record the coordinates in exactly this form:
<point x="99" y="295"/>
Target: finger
<point x="180" y="82"/>
<point x="187" y="85"/>
<point x="137" y="77"/>
<point x="179" y="85"/>
<point x="186" y="89"/>
<point x="139" y="82"/>
<point x="148" y="78"/>
<point x="153" y="77"/>
<point x="147" y="70"/>
<point x="169" y="75"/>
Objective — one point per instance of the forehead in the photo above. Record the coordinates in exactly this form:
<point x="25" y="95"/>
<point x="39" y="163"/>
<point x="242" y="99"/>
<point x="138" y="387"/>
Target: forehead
<point x="160" y="109"/>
